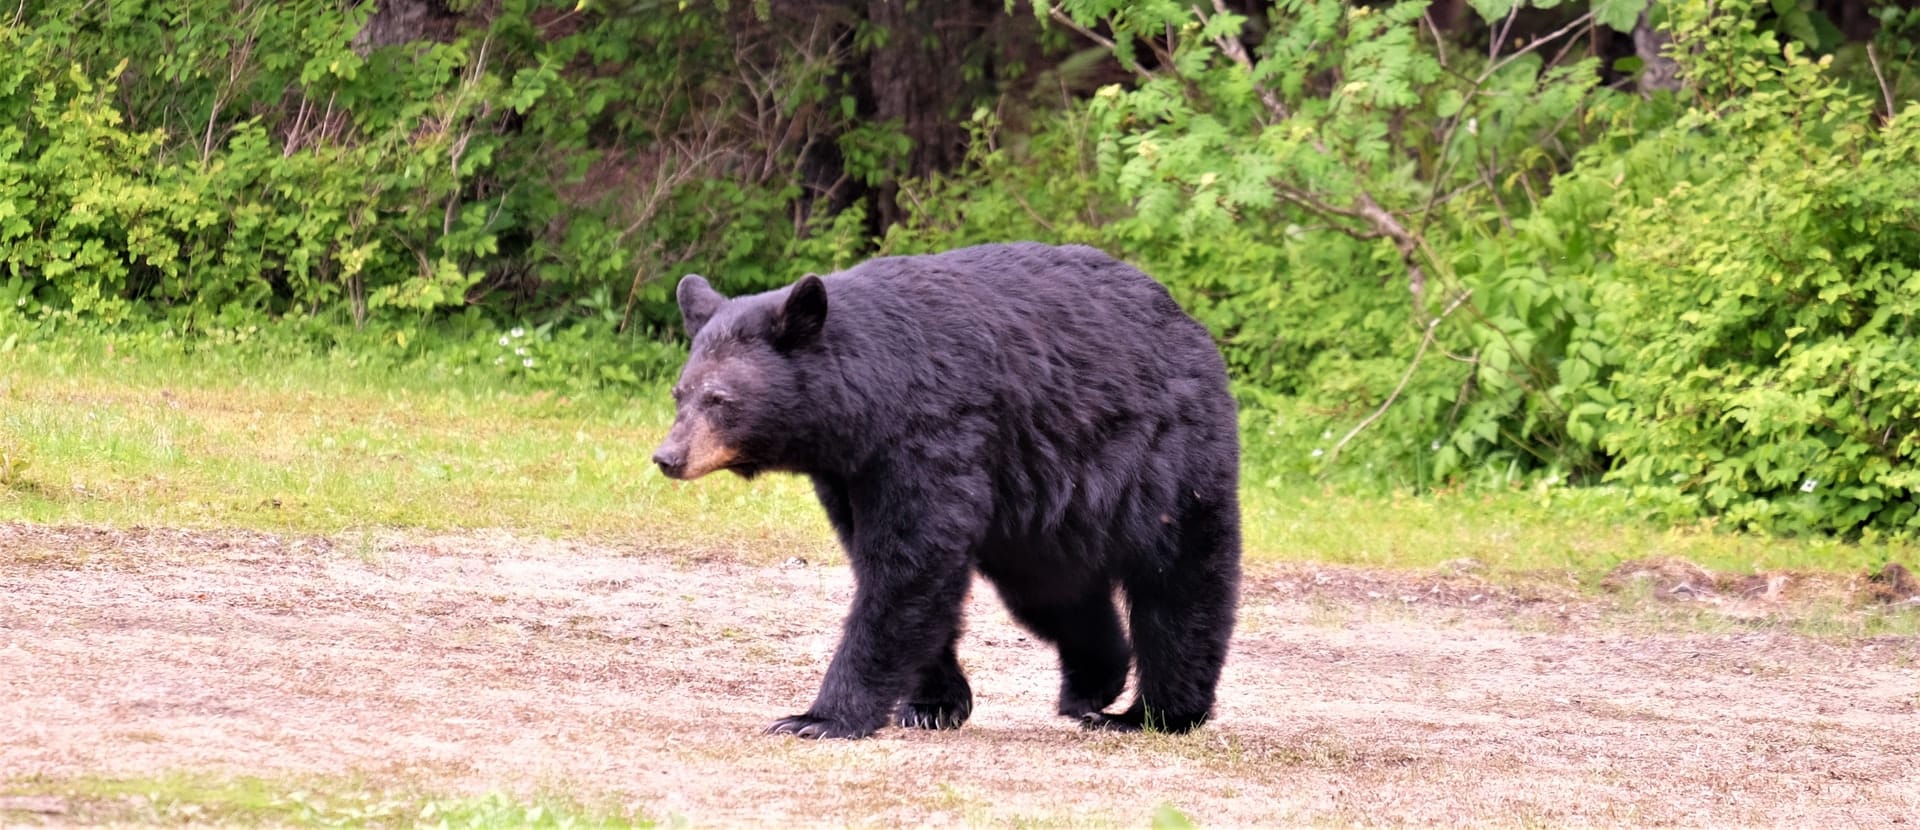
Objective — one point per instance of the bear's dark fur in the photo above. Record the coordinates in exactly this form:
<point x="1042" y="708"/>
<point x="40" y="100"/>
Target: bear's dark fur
<point x="1047" y="416"/>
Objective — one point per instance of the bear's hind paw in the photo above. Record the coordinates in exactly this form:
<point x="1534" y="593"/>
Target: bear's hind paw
<point x="1137" y="720"/>
<point x="1073" y="706"/>
<point x="1103" y="722"/>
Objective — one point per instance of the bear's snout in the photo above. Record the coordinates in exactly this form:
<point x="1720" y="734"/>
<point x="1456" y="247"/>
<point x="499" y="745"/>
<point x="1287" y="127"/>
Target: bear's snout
<point x="693" y="448"/>
<point x="672" y="460"/>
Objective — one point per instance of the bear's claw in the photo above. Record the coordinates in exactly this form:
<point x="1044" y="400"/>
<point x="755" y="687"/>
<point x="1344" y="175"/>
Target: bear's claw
<point x="1136" y="719"/>
<point x="1103" y="722"/>
<point x="934" y="715"/>
<point x="815" y="728"/>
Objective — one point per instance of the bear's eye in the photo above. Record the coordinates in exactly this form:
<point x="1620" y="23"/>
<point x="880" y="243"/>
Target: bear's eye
<point x="714" y="397"/>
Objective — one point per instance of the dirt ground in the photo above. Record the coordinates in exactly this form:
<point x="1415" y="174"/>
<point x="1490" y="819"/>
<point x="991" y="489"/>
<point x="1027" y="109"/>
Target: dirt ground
<point x="480" y="662"/>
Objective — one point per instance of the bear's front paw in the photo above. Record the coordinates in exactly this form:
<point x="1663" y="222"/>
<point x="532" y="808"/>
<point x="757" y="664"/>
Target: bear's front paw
<point x="809" y="726"/>
<point x="935" y="715"/>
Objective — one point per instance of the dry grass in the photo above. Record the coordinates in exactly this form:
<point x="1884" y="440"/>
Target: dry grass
<point x="471" y="662"/>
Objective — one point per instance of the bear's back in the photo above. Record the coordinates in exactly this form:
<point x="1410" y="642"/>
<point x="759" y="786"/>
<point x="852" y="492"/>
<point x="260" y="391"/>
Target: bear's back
<point x="1096" y="399"/>
<point x="1055" y="316"/>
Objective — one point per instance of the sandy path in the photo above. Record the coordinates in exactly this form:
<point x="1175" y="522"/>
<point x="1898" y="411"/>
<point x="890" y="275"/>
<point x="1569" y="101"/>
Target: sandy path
<point x="484" y="662"/>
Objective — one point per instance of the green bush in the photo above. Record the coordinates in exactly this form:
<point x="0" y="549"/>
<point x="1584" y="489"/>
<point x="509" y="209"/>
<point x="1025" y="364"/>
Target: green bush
<point x="1707" y="301"/>
<point x="103" y="221"/>
<point x="1250" y="184"/>
<point x="1427" y="265"/>
<point x="208" y="166"/>
<point x="1762" y="300"/>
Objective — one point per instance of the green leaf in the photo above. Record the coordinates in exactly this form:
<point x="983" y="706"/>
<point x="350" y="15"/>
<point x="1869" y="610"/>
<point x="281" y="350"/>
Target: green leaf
<point x="1493" y="10"/>
<point x="1618" y="15"/>
<point x="1168" y="817"/>
<point x="1799" y="26"/>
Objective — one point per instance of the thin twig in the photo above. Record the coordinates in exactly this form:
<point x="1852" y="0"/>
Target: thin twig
<point x="1473" y="91"/>
<point x="1426" y="340"/>
<point x="1493" y="46"/>
<point x="1237" y="51"/>
<point x="1439" y="43"/>
<point x="633" y="293"/>
<point x="236" y="66"/>
<point x="1031" y="212"/>
<point x="1538" y="42"/>
<point x="1886" y="92"/>
<point x="1365" y="208"/>
<point x="1564" y="49"/>
<point x="1534" y="373"/>
<point x="1314" y="204"/>
<point x="1161" y="53"/>
<point x="1063" y="19"/>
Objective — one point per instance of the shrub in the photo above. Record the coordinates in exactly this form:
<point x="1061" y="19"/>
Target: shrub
<point x="1763" y="297"/>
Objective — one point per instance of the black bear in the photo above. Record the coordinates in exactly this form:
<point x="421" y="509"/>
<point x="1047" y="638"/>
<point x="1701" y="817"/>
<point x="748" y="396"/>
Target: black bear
<point x="1047" y="416"/>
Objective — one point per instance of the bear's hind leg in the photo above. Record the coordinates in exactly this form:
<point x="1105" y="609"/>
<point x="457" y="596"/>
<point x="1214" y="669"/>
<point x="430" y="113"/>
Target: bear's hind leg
<point x="1181" y="621"/>
<point x="1093" y="650"/>
<point x="941" y="699"/>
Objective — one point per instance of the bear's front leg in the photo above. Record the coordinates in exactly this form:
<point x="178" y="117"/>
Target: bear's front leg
<point x="906" y="611"/>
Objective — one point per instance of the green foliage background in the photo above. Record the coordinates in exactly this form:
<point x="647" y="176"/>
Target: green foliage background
<point x="1433" y="259"/>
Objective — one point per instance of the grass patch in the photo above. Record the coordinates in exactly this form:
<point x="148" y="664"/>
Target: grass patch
<point x="312" y="445"/>
<point x="330" y="443"/>
<point x="1588" y="530"/>
<point x="1824" y="613"/>
<point x="250" y="801"/>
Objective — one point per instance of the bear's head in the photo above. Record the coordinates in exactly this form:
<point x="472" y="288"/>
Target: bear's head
<point x="731" y="405"/>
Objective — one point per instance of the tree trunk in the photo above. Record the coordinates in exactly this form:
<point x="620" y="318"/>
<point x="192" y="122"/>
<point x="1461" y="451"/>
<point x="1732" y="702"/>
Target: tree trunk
<point x="917" y="79"/>
<point x="403" y="21"/>
<point x="1657" y="71"/>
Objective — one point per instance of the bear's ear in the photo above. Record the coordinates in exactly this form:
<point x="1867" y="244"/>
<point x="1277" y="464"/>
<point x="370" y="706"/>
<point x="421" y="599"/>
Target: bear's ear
<point x="803" y="315"/>
<point x="698" y="302"/>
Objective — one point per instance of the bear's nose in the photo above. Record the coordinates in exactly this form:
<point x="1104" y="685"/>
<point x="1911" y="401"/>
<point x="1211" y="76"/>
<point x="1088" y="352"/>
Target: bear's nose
<point x="672" y="464"/>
